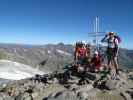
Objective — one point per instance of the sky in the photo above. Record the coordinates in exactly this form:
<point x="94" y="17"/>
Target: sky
<point x="54" y="21"/>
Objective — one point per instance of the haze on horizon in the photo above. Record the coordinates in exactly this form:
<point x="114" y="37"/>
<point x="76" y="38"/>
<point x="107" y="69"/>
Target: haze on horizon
<point x="67" y="21"/>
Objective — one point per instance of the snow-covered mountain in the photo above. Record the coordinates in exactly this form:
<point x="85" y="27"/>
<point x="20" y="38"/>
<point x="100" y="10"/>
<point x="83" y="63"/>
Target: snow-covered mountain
<point x="63" y="52"/>
<point x="45" y="57"/>
<point x="15" y="71"/>
<point x="51" y="56"/>
<point x="23" y="61"/>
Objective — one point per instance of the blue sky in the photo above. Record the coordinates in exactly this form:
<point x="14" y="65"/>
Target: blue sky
<point x="53" y="21"/>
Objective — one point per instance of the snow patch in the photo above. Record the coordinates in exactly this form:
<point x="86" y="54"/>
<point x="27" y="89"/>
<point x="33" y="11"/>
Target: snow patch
<point x="15" y="71"/>
<point x="63" y="52"/>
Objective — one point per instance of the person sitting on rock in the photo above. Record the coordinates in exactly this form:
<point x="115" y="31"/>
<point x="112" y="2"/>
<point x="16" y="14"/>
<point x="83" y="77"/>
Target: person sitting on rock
<point x="96" y="62"/>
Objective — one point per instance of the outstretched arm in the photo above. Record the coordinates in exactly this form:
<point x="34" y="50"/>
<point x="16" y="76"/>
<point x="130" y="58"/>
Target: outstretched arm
<point x="104" y="39"/>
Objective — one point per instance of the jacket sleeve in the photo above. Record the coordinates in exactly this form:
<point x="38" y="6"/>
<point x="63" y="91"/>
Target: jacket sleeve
<point x="105" y="39"/>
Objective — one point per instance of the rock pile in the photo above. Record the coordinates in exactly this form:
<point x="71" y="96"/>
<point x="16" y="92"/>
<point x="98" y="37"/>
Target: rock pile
<point x="52" y="87"/>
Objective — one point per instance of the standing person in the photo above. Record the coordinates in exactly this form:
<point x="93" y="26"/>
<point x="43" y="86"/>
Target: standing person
<point x="112" y="51"/>
<point x="88" y="48"/>
<point x="88" y="57"/>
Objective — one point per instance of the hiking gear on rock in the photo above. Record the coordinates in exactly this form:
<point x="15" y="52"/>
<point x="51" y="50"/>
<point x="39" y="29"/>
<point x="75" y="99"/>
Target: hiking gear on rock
<point x="104" y="73"/>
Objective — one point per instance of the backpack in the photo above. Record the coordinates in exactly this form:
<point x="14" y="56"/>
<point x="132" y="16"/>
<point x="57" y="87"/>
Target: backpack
<point x="118" y="38"/>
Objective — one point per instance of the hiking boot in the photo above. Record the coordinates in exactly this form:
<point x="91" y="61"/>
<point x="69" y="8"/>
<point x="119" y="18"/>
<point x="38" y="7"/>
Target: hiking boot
<point x="115" y="77"/>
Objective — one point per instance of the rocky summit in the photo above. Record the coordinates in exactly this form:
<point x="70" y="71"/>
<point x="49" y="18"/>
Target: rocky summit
<point x="38" y="73"/>
<point x="56" y="86"/>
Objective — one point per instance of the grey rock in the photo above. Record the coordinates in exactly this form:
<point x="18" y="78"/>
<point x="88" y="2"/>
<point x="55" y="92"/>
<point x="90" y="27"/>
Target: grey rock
<point x="24" y="96"/>
<point x="65" y="95"/>
<point x="111" y="84"/>
<point x="126" y="96"/>
<point x="123" y="75"/>
<point x="82" y="95"/>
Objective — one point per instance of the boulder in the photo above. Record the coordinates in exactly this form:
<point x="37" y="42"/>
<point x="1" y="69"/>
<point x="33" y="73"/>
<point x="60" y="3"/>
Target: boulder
<point x="126" y="96"/>
<point x="64" y="95"/>
<point x="82" y="95"/>
<point x="123" y="75"/>
<point x="111" y="84"/>
<point x="24" y="96"/>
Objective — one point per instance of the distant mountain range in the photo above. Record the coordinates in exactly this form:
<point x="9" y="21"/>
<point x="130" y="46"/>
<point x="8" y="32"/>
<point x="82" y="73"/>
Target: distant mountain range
<point x="51" y="57"/>
<point x="19" y="62"/>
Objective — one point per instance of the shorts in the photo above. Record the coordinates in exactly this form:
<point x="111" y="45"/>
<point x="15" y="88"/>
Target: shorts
<point x="81" y="61"/>
<point x="112" y="53"/>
